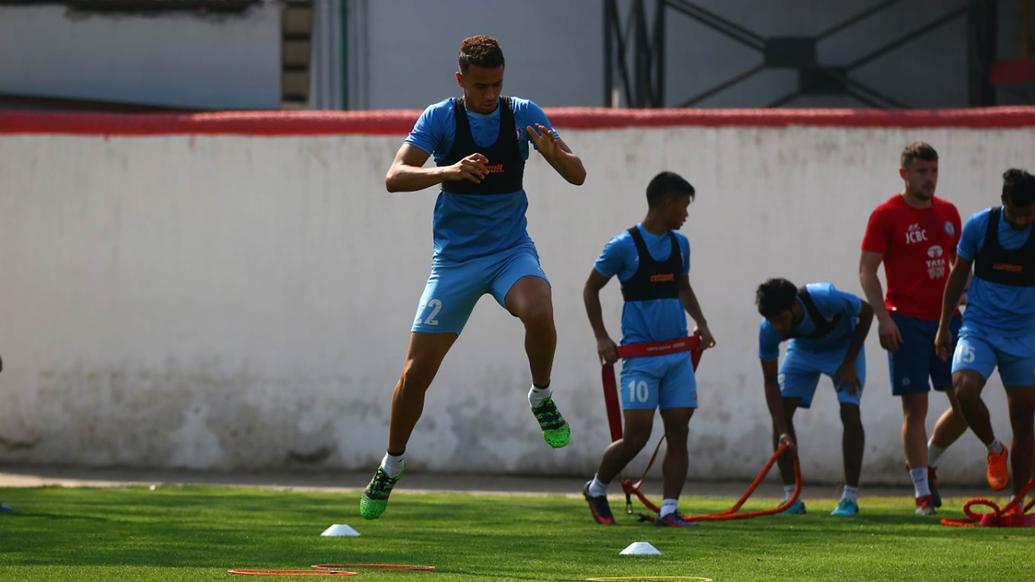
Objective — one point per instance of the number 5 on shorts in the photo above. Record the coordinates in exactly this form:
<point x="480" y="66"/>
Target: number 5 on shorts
<point x="965" y="354"/>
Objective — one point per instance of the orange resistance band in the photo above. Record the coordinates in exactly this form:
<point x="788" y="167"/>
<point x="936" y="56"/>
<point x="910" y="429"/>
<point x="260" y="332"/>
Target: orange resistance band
<point x="1010" y="516"/>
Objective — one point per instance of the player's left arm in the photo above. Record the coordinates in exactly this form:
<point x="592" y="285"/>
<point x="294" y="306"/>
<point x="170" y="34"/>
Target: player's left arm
<point x="846" y="374"/>
<point x="557" y="153"/>
<point x="693" y="308"/>
<point x="551" y="146"/>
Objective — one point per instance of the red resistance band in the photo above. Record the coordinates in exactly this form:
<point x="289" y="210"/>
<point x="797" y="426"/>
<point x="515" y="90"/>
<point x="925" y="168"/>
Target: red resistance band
<point x="1012" y="515"/>
<point x="690" y="344"/>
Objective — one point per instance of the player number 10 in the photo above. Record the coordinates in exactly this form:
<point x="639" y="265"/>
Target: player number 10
<point x="637" y="391"/>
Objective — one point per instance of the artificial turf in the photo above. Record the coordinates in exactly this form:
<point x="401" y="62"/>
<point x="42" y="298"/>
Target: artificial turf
<point x="200" y="532"/>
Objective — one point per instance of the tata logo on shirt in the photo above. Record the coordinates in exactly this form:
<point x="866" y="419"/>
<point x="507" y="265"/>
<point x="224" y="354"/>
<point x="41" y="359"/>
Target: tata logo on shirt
<point x="915" y="234"/>
<point x="936" y="265"/>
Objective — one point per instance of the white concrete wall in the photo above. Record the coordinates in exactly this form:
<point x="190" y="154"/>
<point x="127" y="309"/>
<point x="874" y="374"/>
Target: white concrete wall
<point x="229" y="302"/>
<point x="171" y="59"/>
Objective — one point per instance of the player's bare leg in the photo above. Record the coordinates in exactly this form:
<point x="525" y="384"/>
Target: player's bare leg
<point x="852" y="443"/>
<point x="784" y="463"/>
<point x="638" y="426"/>
<point x="531" y="302"/>
<point x="914" y="429"/>
<point x="968" y="385"/>
<point x="423" y="358"/>
<point x="677" y="458"/>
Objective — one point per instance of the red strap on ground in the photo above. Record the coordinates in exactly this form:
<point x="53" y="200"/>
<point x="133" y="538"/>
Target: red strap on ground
<point x="1013" y="515"/>
<point x="733" y="512"/>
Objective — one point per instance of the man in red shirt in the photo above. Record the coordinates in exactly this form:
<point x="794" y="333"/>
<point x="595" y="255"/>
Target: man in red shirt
<point x="914" y="233"/>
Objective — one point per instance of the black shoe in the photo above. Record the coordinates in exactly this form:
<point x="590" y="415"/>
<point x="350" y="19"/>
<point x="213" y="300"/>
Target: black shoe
<point x="598" y="507"/>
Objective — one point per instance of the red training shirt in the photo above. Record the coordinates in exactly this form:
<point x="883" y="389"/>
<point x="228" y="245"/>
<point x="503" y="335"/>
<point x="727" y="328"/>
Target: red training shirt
<point x="919" y="247"/>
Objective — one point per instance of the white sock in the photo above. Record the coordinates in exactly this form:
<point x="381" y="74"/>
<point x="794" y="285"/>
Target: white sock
<point x="597" y="488"/>
<point x="788" y="490"/>
<point x="537" y="395"/>
<point x="393" y="465"/>
<point x="996" y="447"/>
<point x="667" y="506"/>
<point x="934" y="453"/>
<point x="850" y="493"/>
<point x="920" y="485"/>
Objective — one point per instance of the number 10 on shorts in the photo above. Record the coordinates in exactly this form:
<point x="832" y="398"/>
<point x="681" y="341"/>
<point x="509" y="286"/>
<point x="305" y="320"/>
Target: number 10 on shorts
<point x="638" y="391"/>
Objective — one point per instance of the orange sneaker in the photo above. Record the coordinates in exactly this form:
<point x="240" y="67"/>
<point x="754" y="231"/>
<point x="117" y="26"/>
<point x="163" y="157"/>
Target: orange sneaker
<point x="998" y="474"/>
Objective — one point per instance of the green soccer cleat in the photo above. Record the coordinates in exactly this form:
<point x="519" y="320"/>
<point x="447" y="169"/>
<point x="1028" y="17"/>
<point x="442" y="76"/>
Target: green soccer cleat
<point x="556" y="431"/>
<point x="375" y="498"/>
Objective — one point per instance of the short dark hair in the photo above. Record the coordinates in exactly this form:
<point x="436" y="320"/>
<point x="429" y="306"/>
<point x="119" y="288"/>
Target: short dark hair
<point x="667" y="184"/>
<point x="775" y="296"/>
<point x="918" y="150"/>
<point x="1019" y="187"/>
<point x="481" y="51"/>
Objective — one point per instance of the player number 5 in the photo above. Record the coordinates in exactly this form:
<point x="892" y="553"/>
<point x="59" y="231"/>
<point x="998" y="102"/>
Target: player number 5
<point x="966" y="355"/>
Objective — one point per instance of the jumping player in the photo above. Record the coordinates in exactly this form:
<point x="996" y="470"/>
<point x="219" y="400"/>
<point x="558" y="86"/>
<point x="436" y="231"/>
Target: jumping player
<point x="999" y="323"/>
<point x="915" y="233"/>
<point x="480" y="142"/>
<point x="652" y="263"/>
<point x="826" y="328"/>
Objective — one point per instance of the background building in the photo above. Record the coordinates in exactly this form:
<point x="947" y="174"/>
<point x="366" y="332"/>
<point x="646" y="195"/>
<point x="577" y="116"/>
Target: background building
<point x="389" y="54"/>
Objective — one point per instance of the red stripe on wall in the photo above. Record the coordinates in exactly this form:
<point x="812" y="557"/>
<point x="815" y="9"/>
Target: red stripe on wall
<point x="399" y="122"/>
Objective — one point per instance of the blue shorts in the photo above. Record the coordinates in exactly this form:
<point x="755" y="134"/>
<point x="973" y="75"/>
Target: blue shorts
<point x="658" y="382"/>
<point x="799" y="375"/>
<point x="916" y="361"/>
<point x="454" y="289"/>
<point x="981" y="351"/>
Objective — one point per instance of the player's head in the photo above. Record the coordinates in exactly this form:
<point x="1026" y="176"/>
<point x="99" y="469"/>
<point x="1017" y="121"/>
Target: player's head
<point x="918" y="167"/>
<point x="668" y="196"/>
<point x="1018" y="198"/>
<point x="481" y="72"/>
<point x="777" y="300"/>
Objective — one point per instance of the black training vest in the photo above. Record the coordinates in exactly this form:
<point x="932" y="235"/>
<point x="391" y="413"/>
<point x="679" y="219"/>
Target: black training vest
<point x="653" y="279"/>
<point x="998" y="265"/>
<point x="823" y="325"/>
<point x="506" y="168"/>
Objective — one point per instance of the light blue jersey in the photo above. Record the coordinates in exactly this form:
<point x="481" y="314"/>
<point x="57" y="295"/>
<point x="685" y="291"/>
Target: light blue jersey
<point x="831" y="302"/>
<point x="469" y="227"/>
<point x="645" y="321"/>
<point x="807" y="359"/>
<point x="994" y="307"/>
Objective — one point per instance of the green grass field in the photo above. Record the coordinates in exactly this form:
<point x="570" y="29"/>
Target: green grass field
<point x="198" y="533"/>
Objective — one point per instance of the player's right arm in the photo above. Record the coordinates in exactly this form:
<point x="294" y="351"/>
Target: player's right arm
<point x="875" y="245"/>
<point x="890" y="336"/>
<point x="774" y="401"/>
<point x="954" y="288"/>
<point x="606" y="348"/>
<point x="408" y="174"/>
